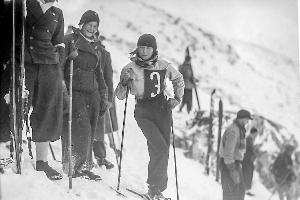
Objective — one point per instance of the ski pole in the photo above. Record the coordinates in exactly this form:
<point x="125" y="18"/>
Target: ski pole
<point x="70" y="125"/>
<point x="175" y="160"/>
<point x="112" y="136"/>
<point x="122" y="141"/>
<point x="52" y="152"/>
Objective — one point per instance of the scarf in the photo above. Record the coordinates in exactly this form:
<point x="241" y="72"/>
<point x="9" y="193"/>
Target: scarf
<point x="143" y="63"/>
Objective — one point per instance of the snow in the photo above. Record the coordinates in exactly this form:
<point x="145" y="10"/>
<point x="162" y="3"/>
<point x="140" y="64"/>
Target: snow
<point x="258" y="72"/>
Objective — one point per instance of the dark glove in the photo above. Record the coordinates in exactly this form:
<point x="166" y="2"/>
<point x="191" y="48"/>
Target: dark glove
<point x="104" y="105"/>
<point x="172" y="103"/>
<point x="73" y="51"/>
<point x="126" y="78"/>
<point x="234" y="173"/>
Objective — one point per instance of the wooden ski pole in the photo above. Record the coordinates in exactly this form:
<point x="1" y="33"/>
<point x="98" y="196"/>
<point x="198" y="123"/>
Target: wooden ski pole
<point x="122" y="141"/>
<point x="70" y="125"/>
<point x="52" y="152"/>
<point x="175" y="161"/>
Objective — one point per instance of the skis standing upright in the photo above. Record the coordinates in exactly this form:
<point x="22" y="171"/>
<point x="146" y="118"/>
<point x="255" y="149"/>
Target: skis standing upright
<point x="17" y="79"/>
<point x="210" y="132"/>
<point x="219" y="138"/>
<point x="195" y="87"/>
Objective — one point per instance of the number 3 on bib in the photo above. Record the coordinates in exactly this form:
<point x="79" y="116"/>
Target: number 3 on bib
<point x="154" y="82"/>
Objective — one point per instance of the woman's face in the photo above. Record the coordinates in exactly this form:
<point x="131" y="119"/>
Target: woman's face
<point x="89" y="29"/>
<point x="145" y="52"/>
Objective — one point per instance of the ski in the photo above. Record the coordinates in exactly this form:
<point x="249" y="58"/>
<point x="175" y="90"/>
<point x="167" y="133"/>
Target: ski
<point x="139" y="194"/>
<point x="119" y="193"/>
<point x="195" y="86"/>
<point x="143" y="196"/>
<point x="210" y="132"/>
<point x="219" y="138"/>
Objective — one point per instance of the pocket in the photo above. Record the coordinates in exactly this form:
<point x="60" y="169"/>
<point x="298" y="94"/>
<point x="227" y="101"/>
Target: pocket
<point x="85" y="81"/>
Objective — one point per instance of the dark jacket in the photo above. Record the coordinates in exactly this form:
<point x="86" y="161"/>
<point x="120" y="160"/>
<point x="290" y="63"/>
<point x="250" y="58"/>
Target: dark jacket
<point x="105" y="63"/>
<point x="42" y="32"/>
<point x="104" y="124"/>
<point x="186" y="70"/>
<point x="249" y="155"/>
<point x="87" y="73"/>
<point x="282" y="169"/>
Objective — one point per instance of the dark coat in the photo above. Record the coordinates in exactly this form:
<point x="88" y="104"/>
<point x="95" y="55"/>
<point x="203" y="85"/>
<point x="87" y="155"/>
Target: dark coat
<point x="282" y="169"/>
<point x="42" y="32"/>
<point x="186" y="70"/>
<point x="248" y="163"/>
<point x="104" y="125"/>
<point x="87" y="73"/>
<point x="89" y="89"/>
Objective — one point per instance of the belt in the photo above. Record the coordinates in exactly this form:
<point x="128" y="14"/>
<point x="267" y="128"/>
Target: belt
<point x="144" y="100"/>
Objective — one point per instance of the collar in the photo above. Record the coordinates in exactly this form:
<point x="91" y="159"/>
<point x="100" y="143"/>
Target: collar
<point x="46" y="6"/>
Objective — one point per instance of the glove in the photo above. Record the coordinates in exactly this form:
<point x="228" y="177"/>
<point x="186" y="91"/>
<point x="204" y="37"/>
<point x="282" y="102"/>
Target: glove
<point x="61" y="52"/>
<point x="234" y="173"/>
<point x="126" y="78"/>
<point x="172" y="103"/>
<point x="104" y="106"/>
<point x="73" y="52"/>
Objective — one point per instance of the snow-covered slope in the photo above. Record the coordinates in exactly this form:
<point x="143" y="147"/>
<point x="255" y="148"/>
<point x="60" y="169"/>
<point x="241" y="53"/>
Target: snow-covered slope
<point x="245" y="73"/>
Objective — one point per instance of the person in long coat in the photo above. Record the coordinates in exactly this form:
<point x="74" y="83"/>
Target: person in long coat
<point x="44" y="55"/>
<point x="108" y="123"/>
<point x="186" y="70"/>
<point x="89" y="95"/>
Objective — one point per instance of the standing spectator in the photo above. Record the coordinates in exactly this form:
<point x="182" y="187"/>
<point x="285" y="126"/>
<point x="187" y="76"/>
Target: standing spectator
<point x="248" y="161"/>
<point x="103" y="124"/>
<point x="89" y="94"/>
<point x="44" y="56"/>
<point x="186" y="70"/>
<point x="232" y="149"/>
<point x="146" y="77"/>
<point x="283" y="172"/>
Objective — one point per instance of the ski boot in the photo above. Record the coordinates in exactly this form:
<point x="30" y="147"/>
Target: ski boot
<point x="87" y="175"/>
<point x="155" y="194"/>
<point x="106" y="163"/>
<point x="51" y="173"/>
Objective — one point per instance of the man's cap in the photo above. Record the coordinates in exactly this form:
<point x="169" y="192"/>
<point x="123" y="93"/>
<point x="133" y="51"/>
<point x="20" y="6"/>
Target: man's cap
<point x="243" y="114"/>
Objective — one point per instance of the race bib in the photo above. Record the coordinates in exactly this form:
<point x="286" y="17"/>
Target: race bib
<point x="154" y="82"/>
